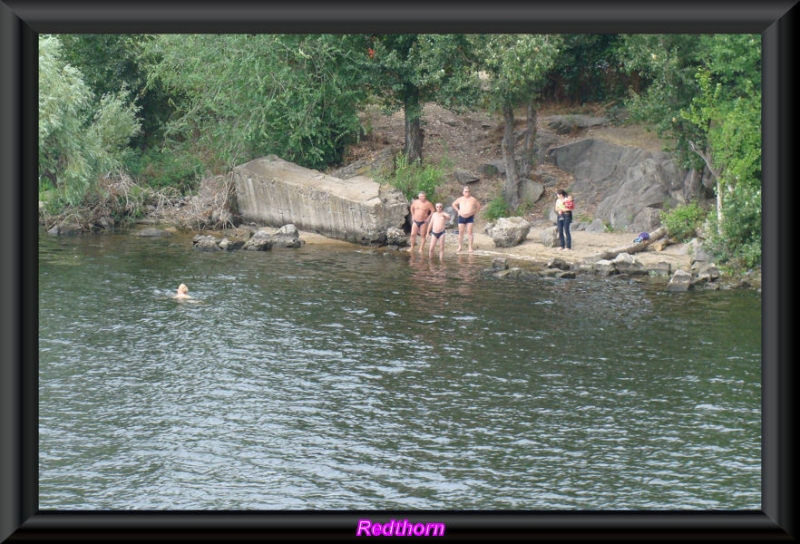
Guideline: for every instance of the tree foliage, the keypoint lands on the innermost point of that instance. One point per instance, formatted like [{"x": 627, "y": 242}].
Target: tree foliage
[
  {"x": 728, "y": 107},
  {"x": 704, "y": 91},
  {"x": 245, "y": 96},
  {"x": 112, "y": 62},
  {"x": 588, "y": 70},
  {"x": 81, "y": 137}
]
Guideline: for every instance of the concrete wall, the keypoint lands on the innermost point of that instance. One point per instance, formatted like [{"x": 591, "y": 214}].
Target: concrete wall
[{"x": 274, "y": 192}]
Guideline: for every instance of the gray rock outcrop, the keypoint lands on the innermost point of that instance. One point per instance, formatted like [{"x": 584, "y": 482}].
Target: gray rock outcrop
[
  {"x": 274, "y": 192},
  {"x": 396, "y": 237},
  {"x": 628, "y": 185},
  {"x": 567, "y": 124},
  {"x": 249, "y": 239}
]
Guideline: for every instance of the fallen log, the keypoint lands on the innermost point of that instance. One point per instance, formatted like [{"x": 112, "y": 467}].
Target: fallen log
[
  {"x": 661, "y": 245},
  {"x": 630, "y": 249}
]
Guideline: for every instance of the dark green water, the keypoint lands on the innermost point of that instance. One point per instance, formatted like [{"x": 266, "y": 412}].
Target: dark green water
[{"x": 328, "y": 379}]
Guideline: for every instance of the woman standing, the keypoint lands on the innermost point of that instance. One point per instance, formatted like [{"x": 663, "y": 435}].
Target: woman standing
[{"x": 564, "y": 206}]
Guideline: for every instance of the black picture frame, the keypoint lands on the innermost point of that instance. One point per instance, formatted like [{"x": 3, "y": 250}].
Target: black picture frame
[{"x": 20, "y": 23}]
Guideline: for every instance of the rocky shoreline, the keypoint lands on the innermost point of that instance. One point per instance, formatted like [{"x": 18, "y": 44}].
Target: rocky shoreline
[{"x": 676, "y": 266}]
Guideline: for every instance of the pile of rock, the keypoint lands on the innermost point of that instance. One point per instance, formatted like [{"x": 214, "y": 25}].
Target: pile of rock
[{"x": 249, "y": 239}]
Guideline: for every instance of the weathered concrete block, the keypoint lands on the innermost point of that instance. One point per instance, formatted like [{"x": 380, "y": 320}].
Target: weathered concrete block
[{"x": 275, "y": 192}]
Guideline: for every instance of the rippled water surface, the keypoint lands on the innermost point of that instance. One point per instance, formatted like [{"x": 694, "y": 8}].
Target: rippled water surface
[{"x": 336, "y": 378}]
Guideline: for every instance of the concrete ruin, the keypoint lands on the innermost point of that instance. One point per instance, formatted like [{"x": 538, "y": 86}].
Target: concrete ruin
[{"x": 274, "y": 192}]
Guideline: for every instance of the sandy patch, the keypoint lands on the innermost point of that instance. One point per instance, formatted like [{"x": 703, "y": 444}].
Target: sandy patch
[{"x": 585, "y": 244}]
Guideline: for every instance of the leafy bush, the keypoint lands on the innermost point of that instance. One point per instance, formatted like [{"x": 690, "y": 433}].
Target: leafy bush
[
  {"x": 683, "y": 221},
  {"x": 497, "y": 208},
  {"x": 412, "y": 178},
  {"x": 159, "y": 169},
  {"x": 738, "y": 240}
]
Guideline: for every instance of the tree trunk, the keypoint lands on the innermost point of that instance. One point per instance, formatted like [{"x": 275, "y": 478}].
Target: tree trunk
[
  {"x": 707, "y": 159},
  {"x": 656, "y": 235},
  {"x": 413, "y": 129},
  {"x": 511, "y": 189},
  {"x": 528, "y": 152}
]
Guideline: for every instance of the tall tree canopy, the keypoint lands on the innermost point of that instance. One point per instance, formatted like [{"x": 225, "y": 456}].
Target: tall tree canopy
[
  {"x": 112, "y": 62},
  {"x": 246, "y": 95}
]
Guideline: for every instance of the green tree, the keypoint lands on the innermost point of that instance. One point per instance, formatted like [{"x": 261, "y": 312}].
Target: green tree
[
  {"x": 80, "y": 137},
  {"x": 704, "y": 92},
  {"x": 665, "y": 65},
  {"x": 245, "y": 96},
  {"x": 112, "y": 62},
  {"x": 407, "y": 70},
  {"x": 517, "y": 68},
  {"x": 728, "y": 109},
  {"x": 588, "y": 70}
]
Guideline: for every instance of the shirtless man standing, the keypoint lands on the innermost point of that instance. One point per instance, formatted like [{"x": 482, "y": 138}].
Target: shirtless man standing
[
  {"x": 438, "y": 221},
  {"x": 421, "y": 210},
  {"x": 467, "y": 207}
]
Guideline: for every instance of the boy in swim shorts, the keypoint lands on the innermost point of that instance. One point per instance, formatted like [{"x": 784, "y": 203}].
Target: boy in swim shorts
[{"x": 438, "y": 222}]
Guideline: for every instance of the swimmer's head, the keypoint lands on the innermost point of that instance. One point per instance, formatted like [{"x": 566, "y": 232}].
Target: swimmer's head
[{"x": 182, "y": 289}]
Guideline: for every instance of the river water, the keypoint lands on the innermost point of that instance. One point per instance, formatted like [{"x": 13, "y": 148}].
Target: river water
[{"x": 339, "y": 378}]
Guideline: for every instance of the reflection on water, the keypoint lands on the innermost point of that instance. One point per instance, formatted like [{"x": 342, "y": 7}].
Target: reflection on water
[{"x": 354, "y": 379}]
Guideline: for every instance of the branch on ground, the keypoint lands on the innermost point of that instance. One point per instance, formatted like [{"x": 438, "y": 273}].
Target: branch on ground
[{"x": 631, "y": 248}]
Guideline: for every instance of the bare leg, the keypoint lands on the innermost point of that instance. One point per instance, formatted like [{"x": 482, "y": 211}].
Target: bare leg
[
  {"x": 469, "y": 235},
  {"x": 423, "y": 232},
  {"x": 460, "y": 236},
  {"x": 414, "y": 230},
  {"x": 441, "y": 247}
]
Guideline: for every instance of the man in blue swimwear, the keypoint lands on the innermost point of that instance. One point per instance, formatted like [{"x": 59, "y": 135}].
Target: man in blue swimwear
[
  {"x": 467, "y": 207},
  {"x": 438, "y": 221},
  {"x": 421, "y": 210}
]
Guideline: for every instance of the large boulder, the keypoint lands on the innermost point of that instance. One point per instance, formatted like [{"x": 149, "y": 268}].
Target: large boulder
[
  {"x": 275, "y": 192},
  {"x": 508, "y": 231},
  {"x": 681, "y": 281},
  {"x": 549, "y": 237}
]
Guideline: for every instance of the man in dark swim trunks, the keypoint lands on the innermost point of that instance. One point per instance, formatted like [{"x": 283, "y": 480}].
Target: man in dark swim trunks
[
  {"x": 421, "y": 210},
  {"x": 438, "y": 221},
  {"x": 467, "y": 207}
]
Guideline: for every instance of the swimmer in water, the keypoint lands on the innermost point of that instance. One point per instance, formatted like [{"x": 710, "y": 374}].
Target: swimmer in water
[{"x": 183, "y": 292}]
